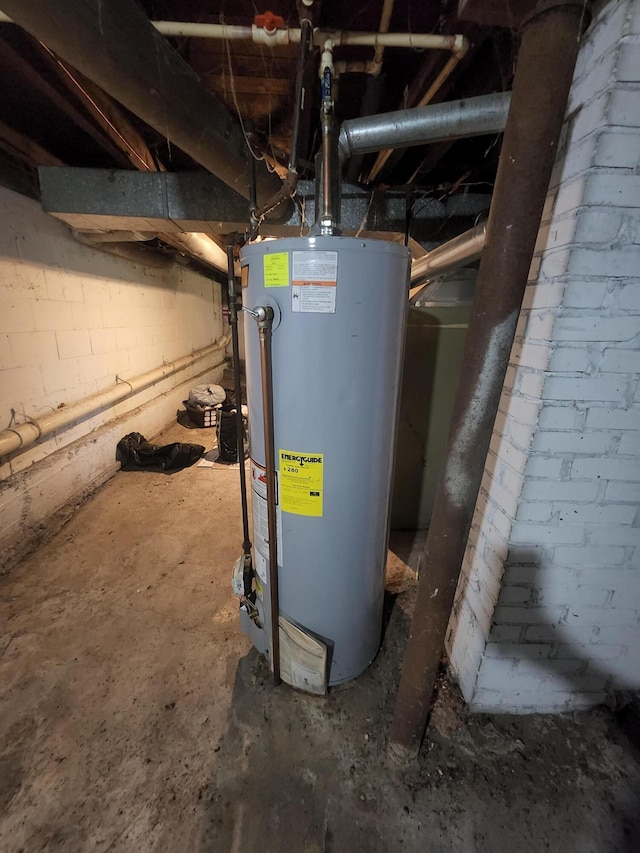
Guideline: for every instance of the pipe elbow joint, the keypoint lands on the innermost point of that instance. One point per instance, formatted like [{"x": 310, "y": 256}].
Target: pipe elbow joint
[{"x": 461, "y": 45}]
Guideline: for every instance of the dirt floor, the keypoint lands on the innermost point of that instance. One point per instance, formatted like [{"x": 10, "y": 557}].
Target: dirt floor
[{"x": 135, "y": 717}]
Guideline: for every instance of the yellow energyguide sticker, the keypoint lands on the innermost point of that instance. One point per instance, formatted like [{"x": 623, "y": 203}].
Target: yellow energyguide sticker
[
  {"x": 276, "y": 270},
  {"x": 300, "y": 482}
]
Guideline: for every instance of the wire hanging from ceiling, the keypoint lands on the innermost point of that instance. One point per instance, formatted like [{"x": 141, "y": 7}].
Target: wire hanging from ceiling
[{"x": 237, "y": 106}]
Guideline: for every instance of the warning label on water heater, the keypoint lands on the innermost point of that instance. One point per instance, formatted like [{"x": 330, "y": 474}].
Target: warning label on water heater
[
  {"x": 259, "y": 479},
  {"x": 301, "y": 476},
  {"x": 314, "y": 282},
  {"x": 261, "y": 528}
]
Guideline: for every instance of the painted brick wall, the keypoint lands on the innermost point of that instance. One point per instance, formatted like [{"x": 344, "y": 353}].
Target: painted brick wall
[
  {"x": 548, "y": 608},
  {"x": 71, "y": 320}
]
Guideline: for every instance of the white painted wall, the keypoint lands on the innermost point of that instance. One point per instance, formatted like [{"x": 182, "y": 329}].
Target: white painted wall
[
  {"x": 548, "y": 608},
  {"x": 72, "y": 319}
]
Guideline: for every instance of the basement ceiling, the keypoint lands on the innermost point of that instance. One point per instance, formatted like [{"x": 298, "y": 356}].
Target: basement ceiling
[{"x": 51, "y": 115}]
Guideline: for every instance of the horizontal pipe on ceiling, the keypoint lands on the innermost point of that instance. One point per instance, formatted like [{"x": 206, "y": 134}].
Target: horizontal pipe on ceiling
[
  {"x": 291, "y": 35},
  {"x": 21, "y": 436},
  {"x": 287, "y": 35},
  {"x": 199, "y": 246},
  {"x": 116, "y": 46},
  {"x": 433, "y": 123}
]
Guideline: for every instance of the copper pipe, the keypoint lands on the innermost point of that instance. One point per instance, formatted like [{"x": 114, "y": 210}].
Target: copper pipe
[{"x": 265, "y": 323}]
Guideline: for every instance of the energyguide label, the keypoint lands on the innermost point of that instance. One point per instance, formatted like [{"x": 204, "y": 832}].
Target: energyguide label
[{"x": 301, "y": 477}]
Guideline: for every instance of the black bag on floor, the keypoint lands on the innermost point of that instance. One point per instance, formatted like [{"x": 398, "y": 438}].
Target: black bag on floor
[
  {"x": 227, "y": 433},
  {"x": 134, "y": 451}
]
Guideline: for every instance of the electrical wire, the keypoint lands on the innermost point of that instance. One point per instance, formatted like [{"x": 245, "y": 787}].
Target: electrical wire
[
  {"x": 64, "y": 68},
  {"x": 366, "y": 215},
  {"x": 237, "y": 106}
]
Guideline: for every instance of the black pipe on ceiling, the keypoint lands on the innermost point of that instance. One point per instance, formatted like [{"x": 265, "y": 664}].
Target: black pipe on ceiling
[{"x": 115, "y": 45}]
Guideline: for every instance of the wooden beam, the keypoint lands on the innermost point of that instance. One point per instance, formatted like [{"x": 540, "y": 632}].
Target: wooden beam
[
  {"x": 106, "y": 113},
  {"x": 491, "y": 76},
  {"x": 244, "y": 66},
  {"x": 65, "y": 106},
  {"x": 495, "y": 13},
  {"x": 249, "y": 85},
  {"x": 256, "y": 107},
  {"x": 116, "y": 46},
  {"x": 25, "y": 149}
]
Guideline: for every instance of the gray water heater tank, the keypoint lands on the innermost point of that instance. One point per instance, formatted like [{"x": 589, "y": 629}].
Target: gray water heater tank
[{"x": 340, "y": 308}]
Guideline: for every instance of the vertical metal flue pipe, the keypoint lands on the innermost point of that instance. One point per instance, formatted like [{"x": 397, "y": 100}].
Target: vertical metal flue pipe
[{"x": 546, "y": 62}]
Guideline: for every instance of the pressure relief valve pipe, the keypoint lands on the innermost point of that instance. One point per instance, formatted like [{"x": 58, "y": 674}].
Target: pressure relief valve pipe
[
  {"x": 247, "y": 573},
  {"x": 263, "y": 316}
]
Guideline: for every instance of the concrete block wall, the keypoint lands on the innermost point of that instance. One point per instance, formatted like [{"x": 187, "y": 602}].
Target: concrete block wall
[
  {"x": 547, "y": 616},
  {"x": 72, "y": 319}
]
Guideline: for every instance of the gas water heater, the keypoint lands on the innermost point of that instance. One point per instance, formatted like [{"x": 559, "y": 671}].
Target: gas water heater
[{"x": 339, "y": 308}]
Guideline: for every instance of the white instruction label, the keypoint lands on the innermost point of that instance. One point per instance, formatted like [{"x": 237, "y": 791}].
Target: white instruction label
[
  {"x": 314, "y": 282},
  {"x": 304, "y": 678},
  {"x": 260, "y": 565},
  {"x": 261, "y": 527}
]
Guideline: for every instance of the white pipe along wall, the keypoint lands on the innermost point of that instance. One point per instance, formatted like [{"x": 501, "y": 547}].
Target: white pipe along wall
[
  {"x": 22, "y": 435},
  {"x": 79, "y": 329}
]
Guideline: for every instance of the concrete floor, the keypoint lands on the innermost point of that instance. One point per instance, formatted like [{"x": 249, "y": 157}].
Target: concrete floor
[{"x": 135, "y": 717}]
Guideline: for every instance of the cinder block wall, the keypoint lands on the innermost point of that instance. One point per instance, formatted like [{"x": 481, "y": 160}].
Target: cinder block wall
[
  {"x": 547, "y": 612},
  {"x": 72, "y": 319}
]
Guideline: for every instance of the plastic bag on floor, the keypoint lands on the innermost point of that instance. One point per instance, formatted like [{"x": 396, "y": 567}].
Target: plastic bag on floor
[
  {"x": 134, "y": 451},
  {"x": 207, "y": 395}
]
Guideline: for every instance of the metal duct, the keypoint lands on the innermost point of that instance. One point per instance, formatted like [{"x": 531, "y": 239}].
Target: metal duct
[
  {"x": 450, "y": 256},
  {"x": 115, "y": 45},
  {"x": 434, "y": 123}
]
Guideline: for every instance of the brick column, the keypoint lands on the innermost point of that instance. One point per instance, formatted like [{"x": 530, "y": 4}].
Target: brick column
[{"x": 547, "y": 612}]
